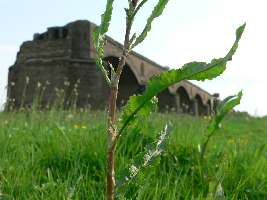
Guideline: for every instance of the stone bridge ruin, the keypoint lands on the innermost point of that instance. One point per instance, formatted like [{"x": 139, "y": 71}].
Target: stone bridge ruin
[{"x": 62, "y": 59}]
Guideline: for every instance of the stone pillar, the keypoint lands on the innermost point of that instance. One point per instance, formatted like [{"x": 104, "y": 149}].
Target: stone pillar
[
  {"x": 208, "y": 109},
  {"x": 177, "y": 101},
  {"x": 212, "y": 108},
  {"x": 195, "y": 105}
]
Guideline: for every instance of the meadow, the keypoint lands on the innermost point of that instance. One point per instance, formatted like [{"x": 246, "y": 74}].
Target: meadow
[{"x": 61, "y": 155}]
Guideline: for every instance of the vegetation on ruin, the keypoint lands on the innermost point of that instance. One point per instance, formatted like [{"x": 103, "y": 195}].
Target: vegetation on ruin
[
  {"x": 141, "y": 106},
  {"x": 62, "y": 155}
]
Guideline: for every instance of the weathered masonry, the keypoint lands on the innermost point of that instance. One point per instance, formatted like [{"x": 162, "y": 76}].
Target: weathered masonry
[{"x": 60, "y": 64}]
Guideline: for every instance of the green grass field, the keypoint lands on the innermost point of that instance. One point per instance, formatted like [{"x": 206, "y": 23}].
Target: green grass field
[{"x": 61, "y": 155}]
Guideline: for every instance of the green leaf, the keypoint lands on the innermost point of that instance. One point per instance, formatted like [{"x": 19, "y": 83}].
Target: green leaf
[
  {"x": 102, "y": 29},
  {"x": 226, "y": 105},
  {"x": 210, "y": 72},
  {"x": 145, "y": 159},
  {"x": 219, "y": 106},
  {"x": 190, "y": 71},
  {"x": 140, "y": 5},
  {"x": 99, "y": 37},
  {"x": 149, "y": 107},
  {"x": 157, "y": 11},
  {"x": 223, "y": 108}
]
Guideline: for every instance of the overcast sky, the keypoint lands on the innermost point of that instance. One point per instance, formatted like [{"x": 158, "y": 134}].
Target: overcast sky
[{"x": 189, "y": 30}]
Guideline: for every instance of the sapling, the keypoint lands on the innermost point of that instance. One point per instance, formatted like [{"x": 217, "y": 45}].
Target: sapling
[
  {"x": 222, "y": 109},
  {"x": 142, "y": 104}
]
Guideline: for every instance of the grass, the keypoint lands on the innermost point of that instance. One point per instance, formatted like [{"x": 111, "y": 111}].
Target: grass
[{"x": 61, "y": 155}]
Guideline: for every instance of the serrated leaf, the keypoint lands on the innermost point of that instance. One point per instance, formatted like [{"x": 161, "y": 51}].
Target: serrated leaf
[
  {"x": 140, "y": 5},
  {"x": 99, "y": 37},
  {"x": 147, "y": 108},
  {"x": 144, "y": 159},
  {"x": 219, "y": 106},
  {"x": 190, "y": 71},
  {"x": 223, "y": 108},
  {"x": 211, "y": 71},
  {"x": 227, "y": 105},
  {"x": 102, "y": 29},
  {"x": 157, "y": 11}
]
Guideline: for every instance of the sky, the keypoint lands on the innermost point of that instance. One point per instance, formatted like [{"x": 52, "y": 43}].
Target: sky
[{"x": 188, "y": 30}]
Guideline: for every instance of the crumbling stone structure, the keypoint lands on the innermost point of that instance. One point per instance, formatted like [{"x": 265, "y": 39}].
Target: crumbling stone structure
[{"x": 59, "y": 66}]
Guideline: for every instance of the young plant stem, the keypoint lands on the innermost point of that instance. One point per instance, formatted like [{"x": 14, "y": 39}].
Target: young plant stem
[
  {"x": 111, "y": 143},
  {"x": 204, "y": 147},
  {"x": 112, "y": 132}
]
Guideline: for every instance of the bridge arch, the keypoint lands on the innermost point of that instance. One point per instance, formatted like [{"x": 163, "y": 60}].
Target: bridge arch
[
  {"x": 183, "y": 101},
  {"x": 209, "y": 107},
  {"x": 167, "y": 101},
  {"x": 201, "y": 108},
  {"x": 112, "y": 50},
  {"x": 128, "y": 84}
]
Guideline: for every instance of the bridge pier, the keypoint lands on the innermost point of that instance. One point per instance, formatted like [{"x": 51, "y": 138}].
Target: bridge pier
[
  {"x": 195, "y": 108},
  {"x": 208, "y": 111},
  {"x": 177, "y": 101}
]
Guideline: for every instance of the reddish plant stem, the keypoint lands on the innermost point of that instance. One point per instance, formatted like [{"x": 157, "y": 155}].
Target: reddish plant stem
[
  {"x": 111, "y": 144},
  {"x": 112, "y": 134}
]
